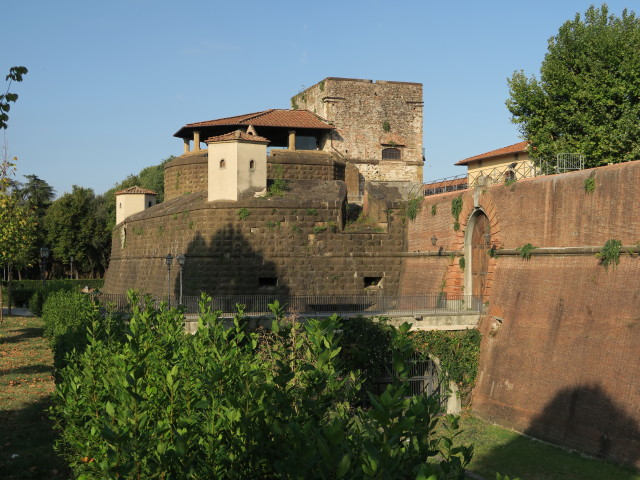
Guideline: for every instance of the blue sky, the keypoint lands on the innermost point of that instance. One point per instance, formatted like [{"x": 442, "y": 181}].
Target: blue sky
[{"x": 110, "y": 82}]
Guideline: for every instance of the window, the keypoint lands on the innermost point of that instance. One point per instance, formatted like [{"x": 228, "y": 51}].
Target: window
[
  {"x": 252, "y": 164},
  {"x": 150, "y": 204},
  {"x": 375, "y": 282},
  {"x": 266, "y": 282},
  {"x": 391, "y": 153},
  {"x": 222, "y": 164}
]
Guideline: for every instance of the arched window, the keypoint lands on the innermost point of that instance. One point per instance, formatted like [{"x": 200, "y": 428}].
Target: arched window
[
  {"x": 391, "y": 153},
  {"x": 252, "y": 164},
  {"x": 223, "y": 163}
]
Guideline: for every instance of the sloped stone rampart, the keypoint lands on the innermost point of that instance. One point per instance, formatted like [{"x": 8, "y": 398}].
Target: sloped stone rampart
[{"x": 298, "y": 239}]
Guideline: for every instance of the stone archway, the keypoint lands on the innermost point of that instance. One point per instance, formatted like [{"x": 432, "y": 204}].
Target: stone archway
[{"x": 476, "y": 252}]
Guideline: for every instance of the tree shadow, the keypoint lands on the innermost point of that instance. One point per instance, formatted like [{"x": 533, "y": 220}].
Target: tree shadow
[
  {"x": 26, "y": 444},
  {"x": 27, "y": 370},
  {"x": 227, "y": 264},
  {"x": 583, "y": 419},
  {"x": 25, "y": 334}
]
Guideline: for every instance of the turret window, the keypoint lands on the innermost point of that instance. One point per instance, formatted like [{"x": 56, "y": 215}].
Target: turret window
[
  {"x": 252, "y": 164},
  {"x": 223, "y": 164},
  {"x": 391, "y": 153}
]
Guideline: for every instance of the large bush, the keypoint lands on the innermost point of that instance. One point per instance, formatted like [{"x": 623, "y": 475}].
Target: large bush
[
  {"x": 67, "y": 315},
  {"x": 236, "y": 403}
]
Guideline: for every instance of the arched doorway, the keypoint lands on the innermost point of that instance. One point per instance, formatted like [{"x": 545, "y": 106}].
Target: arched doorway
[{"x": 478, "y": 241}]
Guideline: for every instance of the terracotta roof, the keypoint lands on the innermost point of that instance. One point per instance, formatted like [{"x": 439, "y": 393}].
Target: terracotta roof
[
  {"x": 237, "y": 135},
  {"x": 446, "y": 183},
  {"x": 515, "y": 148},
  {"x": 268, "y": 118},
  {"x": 134, "y": 190}
]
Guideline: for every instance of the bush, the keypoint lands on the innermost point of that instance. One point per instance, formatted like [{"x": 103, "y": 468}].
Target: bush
[
  {"x": 237, "y": 403},
  {"x": 66, "y": 316}
]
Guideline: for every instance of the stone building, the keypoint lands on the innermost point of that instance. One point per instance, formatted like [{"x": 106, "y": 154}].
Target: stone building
[{"x": 265, "y": 207}]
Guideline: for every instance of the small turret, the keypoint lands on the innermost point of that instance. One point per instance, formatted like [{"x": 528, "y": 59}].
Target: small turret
[{"x": 133, "y": 200}]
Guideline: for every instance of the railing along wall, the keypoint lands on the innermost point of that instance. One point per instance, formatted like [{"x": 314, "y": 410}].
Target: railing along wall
[{"x": 309, "y": 305}]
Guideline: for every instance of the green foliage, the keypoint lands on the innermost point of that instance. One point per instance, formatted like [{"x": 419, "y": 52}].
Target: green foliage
[
  {"x": 66, "y": 315},
  {"x": 386, "y": 127},
  {"x": 76, "y": 228},
  {"x": 413, "y": 206},
  {"x": 587, "y": 98},
  {"x": 273, "y": 225},
  {"x": 590, "y": 184},
  {"x": 510, "y": 181},
  {"x": 434, "y": 210},
  {"x": 525, "y": 251},
  {"x": 294, "y": 104},
  {"x": 319, "y": 229},
  {"x": 238, "y": 403},
  {"x": 243, "y": 213},
  {"x": 321, "y": 86},
  {"x": 16, "y": 74},
  {"x": 462, "y": 263},
  {"x": 493, "y": 252},
  {"x": 23, "y": 290},
  {"x": 296, "y": 229},
  {"x": 456, "y": 209},
  {"x": 610, "y": 253},
  {"x": 279, "y": 185},
  {"x": 312, "y": 212}
]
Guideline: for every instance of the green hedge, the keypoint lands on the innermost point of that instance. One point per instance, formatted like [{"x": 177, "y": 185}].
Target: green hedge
[
  {"x": 23, "y": 291},
  {"x": 236, "y": 403}
]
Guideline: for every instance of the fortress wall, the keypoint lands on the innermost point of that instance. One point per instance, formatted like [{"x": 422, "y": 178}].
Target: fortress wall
[
  {"x": 561, "y": 336},
  {"x": 360, "y": 109},
  {"x": 299, "y": 242},
  {"x": 186, "y": 174},
  {"x": 304, "y": 165}
]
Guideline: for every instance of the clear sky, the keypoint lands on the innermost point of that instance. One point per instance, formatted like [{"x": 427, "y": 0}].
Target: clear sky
[{"x": 110, "y": 82}]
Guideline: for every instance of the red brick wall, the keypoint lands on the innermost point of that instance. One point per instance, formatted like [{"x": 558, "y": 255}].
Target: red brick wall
[{"x": 561, "y": 338}]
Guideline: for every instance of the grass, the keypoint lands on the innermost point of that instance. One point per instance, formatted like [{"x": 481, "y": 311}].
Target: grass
[
  {"x": 26, "y": 384},
  {"x": 509, "y": 453}
]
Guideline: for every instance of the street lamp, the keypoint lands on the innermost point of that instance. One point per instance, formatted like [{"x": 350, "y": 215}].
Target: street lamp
[
  {"x": 169, "y": 259},
  {"x": 71, "y": 262},
  {"x": 44, "y": 258},
  {"x": 487, "y": 238},
  {"x": 181, "y": 259}
]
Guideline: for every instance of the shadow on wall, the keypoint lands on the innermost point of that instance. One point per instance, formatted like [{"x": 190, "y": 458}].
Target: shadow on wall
[
  {"x": 227, "y": 264},
  {"x": 584, "y": 419}
]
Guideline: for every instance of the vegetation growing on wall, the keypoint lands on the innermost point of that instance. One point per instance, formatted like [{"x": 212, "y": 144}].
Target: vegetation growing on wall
[
  {"x": 590, "y": 184},
  {"x": 456, "y": 209},
  {"x": 525, "y": 251},
  {"x": 278, "y": 186},
  {"x": 610, "y": 253},
  {"x": 434, "y": 210},
  {"x": 243, "y": 213},
  {"x": 386, "y": 126}
]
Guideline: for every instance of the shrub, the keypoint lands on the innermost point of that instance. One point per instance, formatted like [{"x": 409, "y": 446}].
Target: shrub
[
  {"x": 526, "y": 251},
  {"x": 238, "y": 403},
  {"x": 610, "y": 253},
  {"x": 65, "y": 316}
]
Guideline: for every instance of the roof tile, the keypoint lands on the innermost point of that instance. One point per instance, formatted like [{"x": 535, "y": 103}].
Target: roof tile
[{"x": 515, "y": 148}]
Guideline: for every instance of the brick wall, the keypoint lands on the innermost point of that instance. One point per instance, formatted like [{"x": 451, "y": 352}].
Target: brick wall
[
  {"x": 562, "y": 334},
  {"x": 363, "y": 111}
]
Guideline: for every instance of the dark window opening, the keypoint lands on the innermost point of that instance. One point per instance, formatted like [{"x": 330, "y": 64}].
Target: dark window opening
[
  {"x": 373, "y": 282},
  {"x": 391, "y": 153},
  {"x": 223, "y": 164},
  {"x": 266, "y": 282},
  {"x": 306, "y": 142},
  {"x": 150, "y": 204},
  {"x": 252, "y": 165}
]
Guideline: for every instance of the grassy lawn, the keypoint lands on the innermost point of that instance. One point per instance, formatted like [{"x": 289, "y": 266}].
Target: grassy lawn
[
  {"x": 26, "y": 383},
  {"x": 500, "y": 450}
]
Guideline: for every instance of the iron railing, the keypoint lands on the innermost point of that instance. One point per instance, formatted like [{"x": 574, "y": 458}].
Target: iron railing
[
  {"x": 444, "y": 185},
  {"x": 309, "y": 305}
]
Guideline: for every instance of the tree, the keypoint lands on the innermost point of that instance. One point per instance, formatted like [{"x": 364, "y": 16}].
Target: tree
[
  {"x": 588, "y": 97},
  {"x": 36, "y": 193},
  {"x": 17, "y": 228},
  {"x": 72, "y": 225},
  {"x": 15, "y": 75}
]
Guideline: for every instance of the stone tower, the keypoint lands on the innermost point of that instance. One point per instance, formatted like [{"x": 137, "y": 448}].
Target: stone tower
[{"x": 133, "y": 200}]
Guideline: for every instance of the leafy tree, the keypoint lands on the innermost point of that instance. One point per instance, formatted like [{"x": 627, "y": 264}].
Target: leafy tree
[
  {"x": 36, "y": 193},
  {"x": 15, "y": 75},
  {"x": 588, "y": 97},
  {"x": 72, "y": 226},
  {"x": 17, "y": 228}
]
